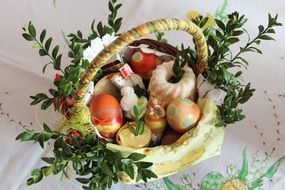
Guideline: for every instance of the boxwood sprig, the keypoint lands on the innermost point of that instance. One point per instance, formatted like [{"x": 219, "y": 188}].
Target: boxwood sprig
[
  {"x": 137, "y": 128},
  {"x": 114, "y": 24},
  {"x": 88, "y": 156},
  {"x": 220, "y": 38},
  {"x": 69, "y": 76},
  {"x": 179, "y": 63},
  {"x": 30, "y": 34}
]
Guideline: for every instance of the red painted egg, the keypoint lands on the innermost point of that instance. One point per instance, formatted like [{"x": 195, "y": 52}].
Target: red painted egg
[
  {"x": 106, "y": 114},
  {"x": 143, "y": 63}
]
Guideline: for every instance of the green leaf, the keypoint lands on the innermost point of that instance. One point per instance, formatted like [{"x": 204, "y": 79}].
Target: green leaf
[
  {"x": 43, "y": 35},
  {"x": 79, "y": 34},
  {"x": 25, "y": 136},
  {"x": 266, "y": 37},
  {"x": 46, "y": 104},
  {"x": 55, "y": 51},
  {"x": 131, "y": 128},
  {"x": 30, "y": 182},
  {"x": 57, "y": 63},
  {"x": 232, "y": 40},
  {"x": 151, "y": 174},
  {"x": 238, "y": 32},
  {"x": 136, "y": 156},
  {"x": 53, "y": 92},
  {"x": 203, "y": 21},
  {"x": 238, "y": 73},
  {"x": 48, "y": 160},
  {"x": 244, "y": 169},
  {"x": 83, "y": 180},
  {"x": 271, "y": 30},
  {"x": 66, "y": 149},
  {"x": 42, "y": 52},
  {"x": 38, "y": 98},
  {"x": 27, "y": 37},
  {"x": 255, "y": 50},
  {"x": 110, "y": 6},
  {"x": 67, "y": 88},
  {"x": 106, "y": 170},
  {"x": 118, "y": 24},
  {"x": 37, "y": 175},
  {"x": 47, "y": 44},
  {"x": 32, "y": 30},
  {"x": 118, "y": 6},
  {"x": 139, "y": 176},
  {"x": 129, "y": 169},
  {"x": 85, "y": 64},
  {"x": 58, "y": 143},
  {"x": 144, "y": 164},
  {"x": 46, "y": 128},
  {"x": 260, "y": 28},
  {"x": 140, "y": 128},
  {"x": 47, "y": 170},
  {"x": 220, "y": 24},
  {"x": 100, "y": 29}
]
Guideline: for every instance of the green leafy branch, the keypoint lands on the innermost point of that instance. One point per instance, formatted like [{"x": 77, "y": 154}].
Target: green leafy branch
[
  {"x": 114, "y": 22},
  {"x": 137, "y": 128},
  {"x": 181, "y": 60},
  {"x": 38, "y": 137},
  {"x": 70, "y": 75},
  {"x": 88, "y": 155},
  {"x": 220, "y": 38},
  {"x": 44, "y": 47},
  {"x": 263, "y": 34},
  {"x": 100, "y": 30}
]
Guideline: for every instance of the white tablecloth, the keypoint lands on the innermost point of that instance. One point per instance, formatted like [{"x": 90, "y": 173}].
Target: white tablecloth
[{"x": 261, "y": 133}]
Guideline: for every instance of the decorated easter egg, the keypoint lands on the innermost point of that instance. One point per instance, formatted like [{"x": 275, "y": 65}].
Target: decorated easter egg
[
  {"x": 143, "y": 63},
  {"x": 126, "y": 138},
  {"x": 182, "y": 114},
  {"x": 106, "y": 114},
  {"x": 155, "y": 123}
]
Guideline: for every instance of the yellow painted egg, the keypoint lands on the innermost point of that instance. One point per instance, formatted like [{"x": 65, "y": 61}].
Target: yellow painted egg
[
  {"x": 156, "y": 124},
  {"x": 182, "y": 114},
  {"x": 106, "y": 114},
  {"x": 126, "y": 138}
]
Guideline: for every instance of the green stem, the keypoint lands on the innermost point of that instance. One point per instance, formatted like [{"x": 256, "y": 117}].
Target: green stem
[
  {"x": 53, "y": 60},
  {"x": 250, "y": 43}
]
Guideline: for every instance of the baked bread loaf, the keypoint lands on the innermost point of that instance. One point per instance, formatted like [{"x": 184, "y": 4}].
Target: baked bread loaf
[{"x": 165, "y": 91}]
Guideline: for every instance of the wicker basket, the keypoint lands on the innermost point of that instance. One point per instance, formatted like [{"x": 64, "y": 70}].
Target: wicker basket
[{"x": 194, "y": 146}]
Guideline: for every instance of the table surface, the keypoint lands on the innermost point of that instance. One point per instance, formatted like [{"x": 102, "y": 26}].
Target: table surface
[{"x": 261, "y": 134}]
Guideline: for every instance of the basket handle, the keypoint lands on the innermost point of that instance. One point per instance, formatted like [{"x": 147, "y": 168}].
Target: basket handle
[{"x": 130, "y": 36}]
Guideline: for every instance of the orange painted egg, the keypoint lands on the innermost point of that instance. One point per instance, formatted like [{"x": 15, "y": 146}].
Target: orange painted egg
[
  {"x": 182, "y": 114},
  {"x": 106, "y": 114}
]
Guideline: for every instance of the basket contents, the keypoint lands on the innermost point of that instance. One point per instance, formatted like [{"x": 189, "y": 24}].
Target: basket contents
[{"x": 152, "y": 110}]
